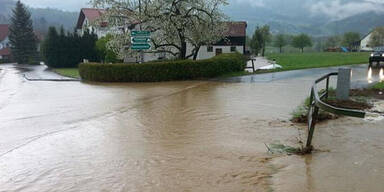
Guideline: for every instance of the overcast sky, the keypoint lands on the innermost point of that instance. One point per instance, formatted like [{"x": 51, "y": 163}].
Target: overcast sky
[
  {"x": 68, "y": 5},
  {"x": 333, "y": 8}
]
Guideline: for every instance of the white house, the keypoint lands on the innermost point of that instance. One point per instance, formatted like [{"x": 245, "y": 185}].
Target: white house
[
  {"x": 5, "y": 52},
  {"x": 86, "y": 21},
  {"x": 364, "y": 43},
  {"x": 235, "y": 36}
]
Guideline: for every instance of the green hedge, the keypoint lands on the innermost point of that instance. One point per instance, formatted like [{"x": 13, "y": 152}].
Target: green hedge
[{"x": 163, "y": 71}]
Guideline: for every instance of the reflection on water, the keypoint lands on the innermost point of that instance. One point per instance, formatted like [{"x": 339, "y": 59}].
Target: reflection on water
[
  {"x": 370, "y": 75},
  {"x": 375, "y": 75}
]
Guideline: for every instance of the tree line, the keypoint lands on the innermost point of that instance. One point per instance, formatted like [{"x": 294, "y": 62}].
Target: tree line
[
  {"x": 65, "y": 50},
  {"x": 262, "y": 37}
]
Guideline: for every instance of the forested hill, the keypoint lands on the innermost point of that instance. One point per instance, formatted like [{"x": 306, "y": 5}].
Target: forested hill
[
  {"x": 315, "y": 17},
  {"x": 42, "y": 18}
]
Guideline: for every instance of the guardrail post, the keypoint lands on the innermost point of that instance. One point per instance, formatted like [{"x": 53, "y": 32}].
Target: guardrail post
[
  {"x": 253, "y": 65},
  {"x": 327, "y": 88},
  {"x": 312, "y": 124},
  {"x": 343, "y": 84}
]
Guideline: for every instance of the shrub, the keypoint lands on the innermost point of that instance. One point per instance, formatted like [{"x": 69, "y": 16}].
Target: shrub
[{"x": 163, "y": 71}]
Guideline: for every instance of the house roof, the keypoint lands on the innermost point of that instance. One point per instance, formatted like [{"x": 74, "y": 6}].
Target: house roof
[
  {"x": 5, "y": 51},
  {"x": 4, "y": 31},
  {"x": 366, "y": 35},
  {"x": 89, "y": 13},
  {"x": 236, "y": 29}
]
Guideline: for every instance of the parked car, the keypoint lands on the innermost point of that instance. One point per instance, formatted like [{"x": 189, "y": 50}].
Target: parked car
[{"x": 375, "y": 58}]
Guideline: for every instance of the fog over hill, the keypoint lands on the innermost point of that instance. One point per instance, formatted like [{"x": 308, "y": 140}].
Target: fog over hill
[
  {"x": 315, "y": 17},
  {"x": 42, "y": 18}
]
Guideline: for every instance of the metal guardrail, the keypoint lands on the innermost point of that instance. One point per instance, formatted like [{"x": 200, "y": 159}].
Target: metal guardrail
[{"x": 317, "y": 103}]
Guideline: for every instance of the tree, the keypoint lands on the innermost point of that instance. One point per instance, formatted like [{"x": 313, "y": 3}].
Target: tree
[
  {"x": 104, "y": 53},
  {"x": 255, "y": 43},
  {"x": 377, "y": 37},
  {"x": 259, "y": 39},
  {"x": 301, "y": 41},
  {"x": 350, "y": 38},
  {"x": 333, "y": 41},
  {"x": 65, "y": 50},
  {"x": 280, "y": 41},
  {"x": 49, "y": 48},
  {"x": 173, "y": 23},
  {"x": 22, "y": 38}
]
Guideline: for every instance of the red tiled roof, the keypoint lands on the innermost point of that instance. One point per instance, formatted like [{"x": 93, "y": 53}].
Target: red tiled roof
[
  {"x": 89, "y": 13},
  {"x": 92, "y": 14},
  {"x": 236, "y": 29},
  {"x": 5, "y": 51},
  {"x": 4, "y": 31}
]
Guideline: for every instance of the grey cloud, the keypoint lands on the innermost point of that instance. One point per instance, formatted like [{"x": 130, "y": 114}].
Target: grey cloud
[{"x": 337, "y": 9}]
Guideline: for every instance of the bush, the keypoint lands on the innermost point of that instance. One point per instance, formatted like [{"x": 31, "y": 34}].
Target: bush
[{"x": 163, "y": 71}]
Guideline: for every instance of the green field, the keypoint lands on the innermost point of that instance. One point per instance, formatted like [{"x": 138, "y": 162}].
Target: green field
[
  {"x": 379, "y": 86},
  {"x": 292, "y": 61},
  {"x": 68, "y": 72}
]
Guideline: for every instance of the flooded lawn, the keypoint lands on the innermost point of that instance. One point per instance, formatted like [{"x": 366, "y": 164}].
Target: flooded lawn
[{"x": 177, "y": 136}]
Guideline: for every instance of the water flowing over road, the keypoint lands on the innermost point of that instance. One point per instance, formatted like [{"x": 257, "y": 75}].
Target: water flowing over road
[{"x": 177, "y": 136}]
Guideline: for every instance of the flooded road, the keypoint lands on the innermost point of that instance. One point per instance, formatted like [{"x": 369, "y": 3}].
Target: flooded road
[{"x": 177, "y": 136}]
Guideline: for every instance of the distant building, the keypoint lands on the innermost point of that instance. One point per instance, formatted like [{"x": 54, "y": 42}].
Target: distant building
[
  {"x": 234, "y": 41},
  {"x": 5, "y": 51},
  {"x": 364, "y": 43},
  {"x": 86, "y": 19}
]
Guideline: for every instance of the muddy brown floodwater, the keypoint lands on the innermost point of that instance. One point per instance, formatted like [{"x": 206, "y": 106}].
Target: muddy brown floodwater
[{"x": 177, "y": 136}]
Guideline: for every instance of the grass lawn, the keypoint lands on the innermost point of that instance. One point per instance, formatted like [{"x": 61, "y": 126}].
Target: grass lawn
[
  {"x": 293, "y": 61},
  {"x": 379, "y": 86},
  {"x": 68, "y": 72}
]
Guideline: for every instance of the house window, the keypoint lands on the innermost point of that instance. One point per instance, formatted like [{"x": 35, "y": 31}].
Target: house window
[
  {"x": 209, "y": 49},
  {"x": 219, "y": 51},
  {"x": 233, "y": 49}
]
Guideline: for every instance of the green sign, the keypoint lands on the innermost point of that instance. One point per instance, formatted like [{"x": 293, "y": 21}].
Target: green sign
[
  {"x": 140, "y": 40},
  {"x": 140, "y": 33},
  {"x": 140, "y": 46}
]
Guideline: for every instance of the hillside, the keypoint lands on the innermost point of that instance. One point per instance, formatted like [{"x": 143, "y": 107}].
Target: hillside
[
  {"x": 42, "y": 18},
  {"x": 362, "y": 23}
]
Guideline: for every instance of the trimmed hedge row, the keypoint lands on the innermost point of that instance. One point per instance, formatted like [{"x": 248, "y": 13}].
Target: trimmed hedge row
[{"x": 163, "y": 71}]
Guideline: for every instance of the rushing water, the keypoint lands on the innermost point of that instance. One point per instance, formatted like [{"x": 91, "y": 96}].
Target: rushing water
[{"x": 175, "y": 136}]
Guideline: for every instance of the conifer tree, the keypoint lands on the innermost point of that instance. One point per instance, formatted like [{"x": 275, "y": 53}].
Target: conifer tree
[
  {"x": 50, "y": 48},
  {"x": 22, "y": 38}
]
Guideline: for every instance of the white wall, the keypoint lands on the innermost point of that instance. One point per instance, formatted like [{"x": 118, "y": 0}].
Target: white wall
[
  {"x": 204, "y": 54},
  {"x": 3, "y": 44},
  {"x": 364, "y": 45},
  {"x": 100, "y": 32}
]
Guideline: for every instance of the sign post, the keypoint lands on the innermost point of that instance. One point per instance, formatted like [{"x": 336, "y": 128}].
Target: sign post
[{"x": 343, "y": 83}]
